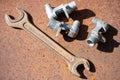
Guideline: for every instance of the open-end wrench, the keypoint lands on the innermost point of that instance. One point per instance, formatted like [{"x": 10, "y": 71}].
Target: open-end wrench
[{"x": 23, "y": 23}]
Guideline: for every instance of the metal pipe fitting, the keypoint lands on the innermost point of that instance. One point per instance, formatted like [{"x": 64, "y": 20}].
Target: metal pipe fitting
[
  {"x": 74, "y": 29},
  {"x": 55, "y": 25},
  {"x": 58, "y": 26},
  {"x": 53, "y": 14},
  {"x": 96, "y": 33},
  {"x": 49, "y": 11},
  {"x": 66, "y": 9}
]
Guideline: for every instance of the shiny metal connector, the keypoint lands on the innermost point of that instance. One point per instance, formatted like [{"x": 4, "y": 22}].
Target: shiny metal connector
[
  {"x": 66, "y": 9},
  {"x": 58, "y": 26},
  {"x": 96, "y": 33},
  {"x": 53, "y": 14}
]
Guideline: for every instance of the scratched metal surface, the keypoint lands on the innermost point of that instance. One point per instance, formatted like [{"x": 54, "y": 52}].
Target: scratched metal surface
[{"x": 22, "y": 57}]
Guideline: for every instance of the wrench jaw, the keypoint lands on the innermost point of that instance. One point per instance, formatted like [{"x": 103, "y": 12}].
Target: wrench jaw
[
  {"x": 17, "y": 23},
  {"x": 77, "y": 62}
]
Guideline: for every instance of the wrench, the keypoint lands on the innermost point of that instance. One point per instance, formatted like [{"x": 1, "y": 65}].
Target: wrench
[{"x": 23, "y": 23}]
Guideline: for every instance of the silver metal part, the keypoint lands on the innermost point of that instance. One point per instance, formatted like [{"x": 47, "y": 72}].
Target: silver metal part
[
  {"x": 58, "y": 26},
  {"x": 53, "y": 14},
  {"x": 55, "y": 25},
  {"x": 66, "y": 9},
  {"x": 74, "y": 30},
  {"x": 96, "y": 33},
  {"x": 49, "y": 11}
]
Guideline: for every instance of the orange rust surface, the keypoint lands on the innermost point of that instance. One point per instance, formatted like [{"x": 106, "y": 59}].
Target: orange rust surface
[{"x": 22, "y": 57}]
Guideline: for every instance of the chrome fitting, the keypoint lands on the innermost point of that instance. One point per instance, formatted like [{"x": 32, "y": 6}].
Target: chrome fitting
[
  {"x": 66, "y": 9},
  {"x": 96, "y": 33},
  {"x": 74, "y": 29},
  {"x": 53, "y": 14},
  {"x": 58, "y": 26}
]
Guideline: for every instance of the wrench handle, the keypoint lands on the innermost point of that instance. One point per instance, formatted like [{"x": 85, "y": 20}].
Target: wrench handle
[{"x": 41, "y": 36}]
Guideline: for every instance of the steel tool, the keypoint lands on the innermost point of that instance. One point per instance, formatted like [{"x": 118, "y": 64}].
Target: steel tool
[{"x": 23, "y": 23}]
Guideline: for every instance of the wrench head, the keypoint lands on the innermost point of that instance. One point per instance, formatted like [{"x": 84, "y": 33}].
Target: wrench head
[
  {"x": 77, "y": 62},
  {"x": 17, "y": 23}
]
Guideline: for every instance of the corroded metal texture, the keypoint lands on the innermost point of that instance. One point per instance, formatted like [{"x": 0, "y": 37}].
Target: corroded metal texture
[{"x": 24, "y": 58}]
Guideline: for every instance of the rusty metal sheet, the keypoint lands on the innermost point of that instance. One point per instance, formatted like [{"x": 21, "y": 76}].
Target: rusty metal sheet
[{"x": 24, "y": 58}]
